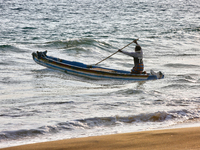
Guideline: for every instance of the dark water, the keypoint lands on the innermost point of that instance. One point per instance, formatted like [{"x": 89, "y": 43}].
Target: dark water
[{"x": 40, "y": 104}]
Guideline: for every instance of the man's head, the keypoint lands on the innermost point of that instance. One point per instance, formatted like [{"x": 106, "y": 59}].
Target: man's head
[{"x": 137, "y": 48}]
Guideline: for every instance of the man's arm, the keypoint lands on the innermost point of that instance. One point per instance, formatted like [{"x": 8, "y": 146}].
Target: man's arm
[{"x": 127, "y": 53}]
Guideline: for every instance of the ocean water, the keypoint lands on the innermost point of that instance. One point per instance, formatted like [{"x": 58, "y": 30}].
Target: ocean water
[{"x": 39, "y": 104}]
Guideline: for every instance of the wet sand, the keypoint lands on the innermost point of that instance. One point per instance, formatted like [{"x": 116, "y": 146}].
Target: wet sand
[{"x": 169, "y": 139}]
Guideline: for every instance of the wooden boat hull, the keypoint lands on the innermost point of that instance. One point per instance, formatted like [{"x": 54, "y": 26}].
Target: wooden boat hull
[{"x": 93, "y": 72}]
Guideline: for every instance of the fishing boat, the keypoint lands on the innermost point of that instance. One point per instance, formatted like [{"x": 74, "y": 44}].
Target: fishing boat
[{"x": 91, "y": 71}]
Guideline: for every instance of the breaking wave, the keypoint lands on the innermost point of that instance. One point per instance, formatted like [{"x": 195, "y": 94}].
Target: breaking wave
[
  {"x": 75, "y": 43},
  {"x": 90, "y": 123},
  {"x": 19, "y": 134},
  {"x": 10, "y": 48}
]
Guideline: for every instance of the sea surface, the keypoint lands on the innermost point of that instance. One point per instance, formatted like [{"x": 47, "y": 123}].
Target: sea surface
[{"x": 38, "y": 104}]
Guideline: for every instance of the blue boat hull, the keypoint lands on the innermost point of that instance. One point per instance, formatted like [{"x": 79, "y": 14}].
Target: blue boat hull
[{"x": 93, "y": 72}]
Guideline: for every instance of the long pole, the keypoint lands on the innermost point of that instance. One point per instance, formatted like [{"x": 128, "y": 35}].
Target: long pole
[{"x": 115, "y": 52}]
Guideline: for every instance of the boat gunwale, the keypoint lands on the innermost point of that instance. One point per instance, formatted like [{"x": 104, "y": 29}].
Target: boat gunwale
[{"x": 88, "y": 70}]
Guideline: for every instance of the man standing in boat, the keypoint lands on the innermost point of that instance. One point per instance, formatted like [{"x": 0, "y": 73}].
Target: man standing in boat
[{"x": 137, "y": 57}]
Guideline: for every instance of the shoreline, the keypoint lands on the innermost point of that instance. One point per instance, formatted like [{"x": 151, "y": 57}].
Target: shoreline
[{"x": 166, "y": 139}]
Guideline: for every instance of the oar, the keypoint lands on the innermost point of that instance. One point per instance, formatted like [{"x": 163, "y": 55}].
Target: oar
[{"x": 116, "y": 52}]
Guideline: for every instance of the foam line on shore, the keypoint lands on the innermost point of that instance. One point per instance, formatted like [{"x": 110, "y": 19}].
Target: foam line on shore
[{"x": 176, "y": 139}]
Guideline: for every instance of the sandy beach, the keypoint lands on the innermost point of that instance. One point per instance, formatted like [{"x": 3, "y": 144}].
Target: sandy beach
[{"x": 169, "y": 139}]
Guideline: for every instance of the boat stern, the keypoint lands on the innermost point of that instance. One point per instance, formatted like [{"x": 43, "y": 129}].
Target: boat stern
[{"x": 158, "y": 75}]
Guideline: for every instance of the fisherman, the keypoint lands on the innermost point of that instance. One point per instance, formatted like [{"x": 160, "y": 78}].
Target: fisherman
[{"x": 137, "y": 56}]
